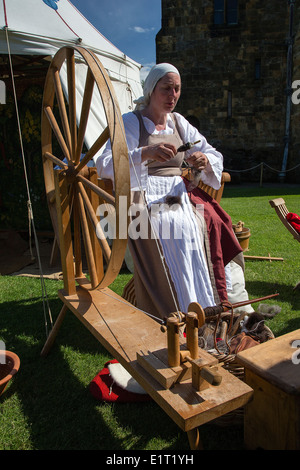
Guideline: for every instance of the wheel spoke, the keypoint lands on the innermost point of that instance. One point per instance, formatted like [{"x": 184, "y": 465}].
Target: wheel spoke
[
  {"x": 86, "y": 103},
  {"x": 102, "y": 139},
  {"x": 55, "y": 127},
  {"x": 87, "y": 243},
  {"x": 77, "y": 239},
  {"x": 94, "y": 198},
  {"x": 55, "y": 160},
  {"x": 62, "y": 108},
  {"x": 99, "y": 191},
  {"x": 93, "y": 218},
  {"x": 72, "y": 97},
  {"x": 64, "y": 227}
]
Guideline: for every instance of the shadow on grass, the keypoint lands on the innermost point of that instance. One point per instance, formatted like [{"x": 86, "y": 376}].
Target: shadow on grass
[
  {"x": 254, "y": 190},
  {"x": 287, "y": 296}
]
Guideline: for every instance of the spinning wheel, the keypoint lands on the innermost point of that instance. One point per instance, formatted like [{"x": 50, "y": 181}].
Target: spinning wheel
[{"x": 73, "y": 192}]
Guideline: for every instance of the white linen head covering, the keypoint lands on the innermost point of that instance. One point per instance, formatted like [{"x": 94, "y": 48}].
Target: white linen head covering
[{"x": 155, "y": 74}]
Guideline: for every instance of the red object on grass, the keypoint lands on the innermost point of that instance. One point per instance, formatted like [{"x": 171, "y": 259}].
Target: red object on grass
[
  {"x": 294, "y": 220},
  {"x": 103, "y": 388}
]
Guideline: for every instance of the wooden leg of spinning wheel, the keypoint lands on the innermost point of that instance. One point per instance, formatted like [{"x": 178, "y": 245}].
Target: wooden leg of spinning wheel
[
  {"x": 54, "y": 331},
  {"x": 194, "y": 439}
]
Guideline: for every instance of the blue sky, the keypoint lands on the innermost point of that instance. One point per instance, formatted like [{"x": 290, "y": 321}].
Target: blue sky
[{"x": 130, "y": 25}]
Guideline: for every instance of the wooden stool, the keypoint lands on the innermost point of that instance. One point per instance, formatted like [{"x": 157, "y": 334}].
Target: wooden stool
[{"x": 272, "y": 370}]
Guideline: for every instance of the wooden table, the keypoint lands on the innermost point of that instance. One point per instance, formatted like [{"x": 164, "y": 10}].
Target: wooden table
[
  {"x": 126, "y": 332},
  {"x": 272, "y": 418}
]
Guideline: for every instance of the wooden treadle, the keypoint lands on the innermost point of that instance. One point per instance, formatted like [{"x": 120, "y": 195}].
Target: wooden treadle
[{"x": 127, "y": 333}]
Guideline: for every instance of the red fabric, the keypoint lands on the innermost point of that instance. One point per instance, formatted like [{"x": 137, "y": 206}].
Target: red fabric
[
  {"x": 103, "y": 389},
  {"x": 294, "y": 220},
  {"x": 224, "y": 245}
]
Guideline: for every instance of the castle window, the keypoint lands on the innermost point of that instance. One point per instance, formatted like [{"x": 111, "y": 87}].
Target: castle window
[
  {"x": 229, "y": 104},
  {"x": 219, "y": 12},
  {"x": 257, "y": 69},
  {"x": 226, "y": 12}
]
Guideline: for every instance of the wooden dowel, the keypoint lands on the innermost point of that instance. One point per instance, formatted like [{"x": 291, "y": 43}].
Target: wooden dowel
[
  {"x": 51, "y": 338},
  {"x": 173, "y": 341},
  {"x": 103, "y": 194},
  {"x": 102, "y": 139},
  {"x": 263, "y": 258},
  {"x": 192, "y": 334},
  {"x": 62, "y": 108},
  {"x": 72, "y": 97},
  {"x": 55, "y": 160},
  {"x": 223, "y": 332},
  {"x": 64, "y": 227},
  {"x": 88, "y": 245},
  {"x": 77, "y": 240},
  {"x": 195, "y": 439},
  {"x": 240, "y": 304},
  {"x": 57, "y": 132},
  {"x": 94, "y": 199},
  {"x": 102, "y": 240},
  {"x": 86, "y": 103}
]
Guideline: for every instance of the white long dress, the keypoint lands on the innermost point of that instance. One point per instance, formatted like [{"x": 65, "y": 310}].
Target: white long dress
[{"x": 184, "y": 256}]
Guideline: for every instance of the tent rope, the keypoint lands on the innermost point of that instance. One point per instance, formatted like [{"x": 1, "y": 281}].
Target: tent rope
[{"x": 29, "y": 204}]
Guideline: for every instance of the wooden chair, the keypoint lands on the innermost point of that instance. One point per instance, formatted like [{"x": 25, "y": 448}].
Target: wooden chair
[
  {"x": 214, "y": 193},
  {"x": 282, "y": 211}
]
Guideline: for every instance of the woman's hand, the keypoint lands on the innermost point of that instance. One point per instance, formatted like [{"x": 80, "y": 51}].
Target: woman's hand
[
  {"x": 198, "y": 160},
  {"x": 159, "y": 152}
]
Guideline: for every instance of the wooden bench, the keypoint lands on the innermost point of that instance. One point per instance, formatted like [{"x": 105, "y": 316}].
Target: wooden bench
[{"x": 282, "y": 211}]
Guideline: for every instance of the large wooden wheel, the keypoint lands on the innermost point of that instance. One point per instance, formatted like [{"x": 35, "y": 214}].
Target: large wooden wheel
[{"x": 73, "y": 190}]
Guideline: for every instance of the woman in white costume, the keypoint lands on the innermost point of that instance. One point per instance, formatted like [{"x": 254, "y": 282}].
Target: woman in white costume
[{"x": 175, "y": 261}]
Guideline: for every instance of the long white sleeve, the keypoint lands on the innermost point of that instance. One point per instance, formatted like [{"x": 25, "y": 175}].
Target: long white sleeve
[{"x": 138, "y": 170}]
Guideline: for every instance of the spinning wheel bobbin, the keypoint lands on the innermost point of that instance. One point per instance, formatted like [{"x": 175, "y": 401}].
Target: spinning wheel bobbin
[{"x": 200, "y": 365}]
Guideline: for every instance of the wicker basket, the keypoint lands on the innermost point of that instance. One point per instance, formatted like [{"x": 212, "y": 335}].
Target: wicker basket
[{"x": 235, "y": 417}]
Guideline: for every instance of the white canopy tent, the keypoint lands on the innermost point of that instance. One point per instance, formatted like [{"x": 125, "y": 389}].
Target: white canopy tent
[{"x": 42, "y": 27}]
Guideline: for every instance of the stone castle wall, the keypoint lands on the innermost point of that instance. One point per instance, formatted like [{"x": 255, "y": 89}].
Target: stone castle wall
[{"x": 234, "y": 77}]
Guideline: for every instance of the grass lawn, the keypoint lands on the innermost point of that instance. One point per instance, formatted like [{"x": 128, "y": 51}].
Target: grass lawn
[{"x": 48, "y": 406}]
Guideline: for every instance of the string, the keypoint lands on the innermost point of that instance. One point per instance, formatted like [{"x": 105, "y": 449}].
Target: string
[
  {"x": 138, "y": 309},
  {"x": 29, "y": 204}
]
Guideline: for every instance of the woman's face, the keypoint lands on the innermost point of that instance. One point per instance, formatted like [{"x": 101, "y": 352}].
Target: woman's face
[{"x": 166, "y": 93}]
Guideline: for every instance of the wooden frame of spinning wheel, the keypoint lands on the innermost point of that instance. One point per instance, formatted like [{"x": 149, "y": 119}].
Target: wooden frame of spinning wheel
[{"x": 73, "y": 193}]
